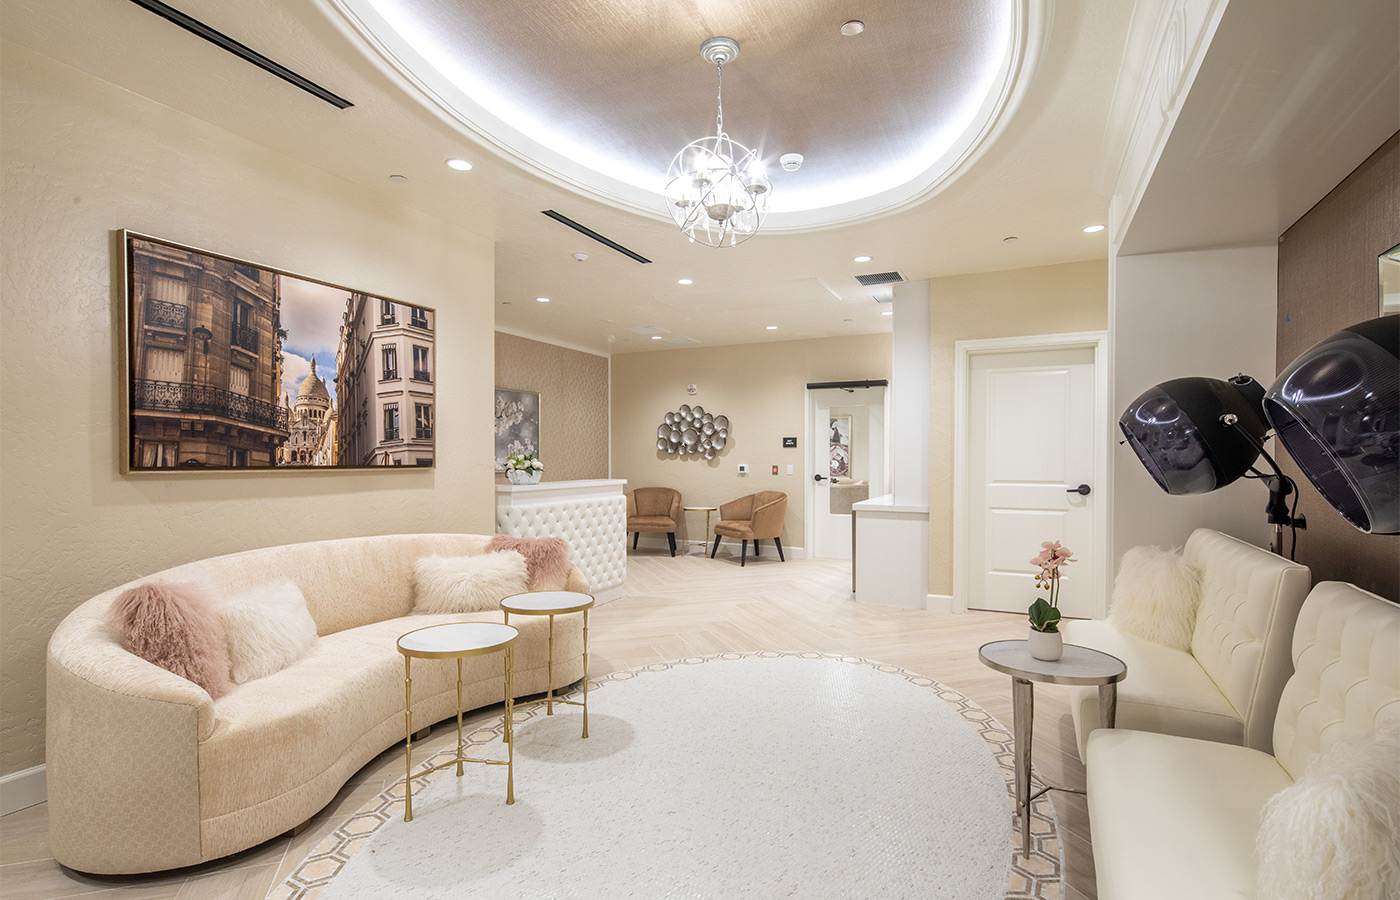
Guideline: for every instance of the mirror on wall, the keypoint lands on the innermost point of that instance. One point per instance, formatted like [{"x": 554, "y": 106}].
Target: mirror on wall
[{"x": 1390, "y": 281}]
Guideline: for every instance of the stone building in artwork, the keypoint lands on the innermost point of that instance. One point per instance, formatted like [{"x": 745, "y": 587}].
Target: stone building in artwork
[
  {"x": 384, "y": 384},
  {"x": 205, "y": 360},
  {"x": 310, "y": 416}
]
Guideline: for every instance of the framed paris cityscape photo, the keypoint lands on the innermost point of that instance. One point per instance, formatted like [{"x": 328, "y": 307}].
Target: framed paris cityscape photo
[{"x": 232, "y": 365}]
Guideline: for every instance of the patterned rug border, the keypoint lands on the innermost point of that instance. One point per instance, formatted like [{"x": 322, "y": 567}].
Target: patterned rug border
[{"x": 1034, "y": 876}]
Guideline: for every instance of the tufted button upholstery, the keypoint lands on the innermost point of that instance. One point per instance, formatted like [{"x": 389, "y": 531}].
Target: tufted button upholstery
[
  {"x": 596, "y": 529},
  {"x": 1155, "y": 797},
  {"x": 1227, "y": 688},
  {"x": 1244, "y": 625},
  {"x": 1346, "y": 653}
]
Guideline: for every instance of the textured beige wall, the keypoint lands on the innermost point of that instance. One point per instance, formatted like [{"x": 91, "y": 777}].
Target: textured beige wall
[
  {"x": 762, "y": 388},
  {"x": 1042, "y": 300},
  {"x": 573, "y": 389},
  {"x": 82, "y": 158},
  {"x": 1327, "y": 280}
]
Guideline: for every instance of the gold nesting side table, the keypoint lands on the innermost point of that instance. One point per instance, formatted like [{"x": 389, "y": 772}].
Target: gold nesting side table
[
  {"x": 552, "y": 603},
  {"x": 706, "y": 510},
  {"x": 457, "y": 640}
]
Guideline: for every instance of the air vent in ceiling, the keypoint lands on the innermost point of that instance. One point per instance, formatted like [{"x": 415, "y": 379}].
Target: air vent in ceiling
[
  {"x": 585, "y": 230},
  {"x": 242, "y": 51},
  {"x": 880, "y": 278}
]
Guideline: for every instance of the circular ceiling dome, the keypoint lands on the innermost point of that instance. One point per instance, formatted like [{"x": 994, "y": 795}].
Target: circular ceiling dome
[{"x": 598, "y": 97}]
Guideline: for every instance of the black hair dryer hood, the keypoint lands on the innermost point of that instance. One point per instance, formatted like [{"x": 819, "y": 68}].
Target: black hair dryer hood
[
  {"x": 1176, "y": 430},
  {"x": 1336, "y": 409}
]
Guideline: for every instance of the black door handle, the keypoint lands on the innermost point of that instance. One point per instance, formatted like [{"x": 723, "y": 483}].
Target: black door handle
[
  {"x": 1083, "y": 490},
  {"x": 819, "y": 478}
]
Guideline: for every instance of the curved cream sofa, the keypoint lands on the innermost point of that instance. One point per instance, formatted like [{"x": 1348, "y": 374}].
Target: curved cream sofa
[{"x": 147, "y": 772}]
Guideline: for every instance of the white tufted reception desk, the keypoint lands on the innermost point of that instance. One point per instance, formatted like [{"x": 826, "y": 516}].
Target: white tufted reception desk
[{"x": 590, "y": 515}]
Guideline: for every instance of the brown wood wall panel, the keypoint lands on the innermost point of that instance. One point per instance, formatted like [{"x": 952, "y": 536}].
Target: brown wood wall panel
[{"x": 1327, "y": 280}]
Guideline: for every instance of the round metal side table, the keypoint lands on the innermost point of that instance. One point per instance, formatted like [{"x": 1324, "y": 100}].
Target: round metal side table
[
  {"x": 1078, "y": 665},
  {"x": 457, "y": 640},
  {"x": 706, "y": 510},
  {"x": 553, "y": 603}
]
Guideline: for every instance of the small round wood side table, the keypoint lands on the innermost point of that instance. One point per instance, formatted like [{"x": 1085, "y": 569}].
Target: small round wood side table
[
  {"x": 1078, "y": 665},
  {"x": 706, "y": 510},
  {"x": 456, "y": 640},
  {"x": 553, "y": 603}
]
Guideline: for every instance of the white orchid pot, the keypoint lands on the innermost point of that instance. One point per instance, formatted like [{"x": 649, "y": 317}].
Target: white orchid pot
[
  {"x": 1046, "y": 645},
  {"x": 520, "y": 476}
]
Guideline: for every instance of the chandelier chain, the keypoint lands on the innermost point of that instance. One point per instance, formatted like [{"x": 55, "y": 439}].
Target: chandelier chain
[{"x": 719, "y": 98}]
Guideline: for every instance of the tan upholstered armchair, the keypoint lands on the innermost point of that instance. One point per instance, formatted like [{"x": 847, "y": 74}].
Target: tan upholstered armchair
[
  {"x": 653, "y": 509},
  {"x": 752, "y": 518}
]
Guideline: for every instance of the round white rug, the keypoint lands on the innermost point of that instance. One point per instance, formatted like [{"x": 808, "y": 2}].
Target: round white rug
[{"x": 748, "y": 776}]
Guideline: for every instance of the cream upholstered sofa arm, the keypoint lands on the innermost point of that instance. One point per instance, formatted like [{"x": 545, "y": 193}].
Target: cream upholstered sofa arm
[
  {"x": 149, "y": 723},
  {"x": 576, "y": 583}
]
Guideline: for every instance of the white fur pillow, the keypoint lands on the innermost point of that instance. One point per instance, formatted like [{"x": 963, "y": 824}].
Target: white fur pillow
[
  {"x": 460, "y": 584},
  {"x": 1155, "y": 597},
  {"x": 1333, "y": 833},
  {"x": 268, "y": 629}
]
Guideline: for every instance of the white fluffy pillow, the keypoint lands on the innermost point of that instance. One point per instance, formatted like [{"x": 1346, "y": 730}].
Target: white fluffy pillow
[
  {"x": 1333, "y": 833},
  {"x": 1155, "y": 597},
  {"x": 461, "y": 584},
  {"x": 268, "y": 629}
]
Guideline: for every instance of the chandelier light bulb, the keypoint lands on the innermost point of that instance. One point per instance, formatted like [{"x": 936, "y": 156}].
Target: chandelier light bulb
[{"x": 717, "y": 190}]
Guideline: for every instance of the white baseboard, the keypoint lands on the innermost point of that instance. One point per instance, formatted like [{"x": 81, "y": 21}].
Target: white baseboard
[
  {"x": 940, "y": 603},
  {"x": 23, "y": 789},
  {"x": 658, "y": 542}
]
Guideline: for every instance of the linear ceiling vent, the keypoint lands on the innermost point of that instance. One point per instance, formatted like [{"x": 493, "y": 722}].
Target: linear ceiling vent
[
  {"x": 242, "y": 51},
  {"x": 880, "y": 278},
  {"x": 585, "y": 230}
]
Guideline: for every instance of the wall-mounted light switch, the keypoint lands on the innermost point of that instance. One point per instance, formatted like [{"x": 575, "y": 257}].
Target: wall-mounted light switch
[{"x": 789, "y": 468}]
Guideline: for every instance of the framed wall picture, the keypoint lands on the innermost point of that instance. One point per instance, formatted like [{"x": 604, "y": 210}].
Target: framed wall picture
[
  {"x": 517, "y": 424},
  {"x": 234, "y": 365},
  {"x": 839, "y": 446}
]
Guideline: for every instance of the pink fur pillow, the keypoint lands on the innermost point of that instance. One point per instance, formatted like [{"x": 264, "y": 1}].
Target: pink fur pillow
[
  {"x": 547, "y": 559},
  {"x": 175, "y": 626}
]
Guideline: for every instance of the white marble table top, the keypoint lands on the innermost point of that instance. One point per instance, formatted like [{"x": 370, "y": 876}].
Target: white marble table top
[
  {"x": 1078, "y": 665},
  {"x": 457, "y": 639},
  {"x": 546, "y": 603}
]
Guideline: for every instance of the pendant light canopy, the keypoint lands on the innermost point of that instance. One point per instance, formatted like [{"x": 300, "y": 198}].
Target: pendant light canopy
[{"x": 717, "y": 192}]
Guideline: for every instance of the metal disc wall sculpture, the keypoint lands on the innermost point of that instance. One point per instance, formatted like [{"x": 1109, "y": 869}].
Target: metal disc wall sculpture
[{"x": 692, "y": 432}]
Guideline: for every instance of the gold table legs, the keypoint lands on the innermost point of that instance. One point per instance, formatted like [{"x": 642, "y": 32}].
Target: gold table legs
[
  {"x": 461, "y": 757},
  {"x": 549, "y": 699}
]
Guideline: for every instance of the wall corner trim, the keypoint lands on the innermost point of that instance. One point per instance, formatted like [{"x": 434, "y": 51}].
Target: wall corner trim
[{"x": 23, "y": 789}]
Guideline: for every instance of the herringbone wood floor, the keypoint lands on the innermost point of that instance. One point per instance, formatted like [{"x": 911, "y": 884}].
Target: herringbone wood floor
[{"x": 687, "y": 606}]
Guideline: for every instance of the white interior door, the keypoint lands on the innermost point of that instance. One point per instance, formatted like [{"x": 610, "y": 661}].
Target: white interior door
[
  {"x": 846, "y": 463},
  {"x": 1030, "y": 441}
]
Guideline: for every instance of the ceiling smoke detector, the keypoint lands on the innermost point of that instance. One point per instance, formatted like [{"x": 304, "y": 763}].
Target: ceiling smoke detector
[
  {"x": 791, "y": 162},
  {"x": 580, "y": 256}
]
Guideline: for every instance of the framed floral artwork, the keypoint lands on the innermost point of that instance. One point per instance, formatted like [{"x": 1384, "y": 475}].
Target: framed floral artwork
[{"x": 517, "y": 424}]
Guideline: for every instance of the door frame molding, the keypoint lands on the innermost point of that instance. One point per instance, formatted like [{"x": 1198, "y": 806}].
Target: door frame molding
[
  {"x": 964, "y": 351},
  {"x": 809, "y": 489}
]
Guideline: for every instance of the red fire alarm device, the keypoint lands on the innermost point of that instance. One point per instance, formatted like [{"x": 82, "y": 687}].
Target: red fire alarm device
[{"x": 775, "y": 470}]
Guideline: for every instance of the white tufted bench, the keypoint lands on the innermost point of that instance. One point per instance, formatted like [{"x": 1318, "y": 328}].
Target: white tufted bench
[
  {"x": 1227, "y": 688},
  {"x": 1175, "y": 817}
]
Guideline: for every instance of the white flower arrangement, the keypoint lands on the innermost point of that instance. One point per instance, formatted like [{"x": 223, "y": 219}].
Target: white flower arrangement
[{"x": 524, "y": 462}]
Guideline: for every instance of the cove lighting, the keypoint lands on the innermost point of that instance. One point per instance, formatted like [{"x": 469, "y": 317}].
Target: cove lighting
[
  {"x": 1092, "y": 229},
  {"x": 461, "y": 165}
]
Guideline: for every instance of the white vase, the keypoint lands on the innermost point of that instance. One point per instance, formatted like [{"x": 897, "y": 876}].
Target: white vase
[
  {"x": 531, "y": 477},
  {"x": 1048, "y": 646}
]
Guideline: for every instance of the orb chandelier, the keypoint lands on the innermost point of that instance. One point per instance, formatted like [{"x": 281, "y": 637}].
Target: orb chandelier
[{"x": 717, "y": 192}]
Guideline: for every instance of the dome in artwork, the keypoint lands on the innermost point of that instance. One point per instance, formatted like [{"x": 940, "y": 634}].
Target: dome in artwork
[{"x": 313, "y": 390}]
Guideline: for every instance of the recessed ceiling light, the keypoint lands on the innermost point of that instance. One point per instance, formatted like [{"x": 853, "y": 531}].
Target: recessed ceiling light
[
  {"x": 862, "y": 259},
  {"x": 542, "y": 299},
  {"x": 888, "y": 312},
  {"x": 398, "y": 179},
  {"x": 684, "y": 281},
  {"x": 771, "y": 327},
  {"x": 853, "y": 28},
  {"x": 461, "y": 165},
  {"x": 1093, "y": 228},
  {"x": 656, "y": 337},
  {"x": 1010, "y": 240}
]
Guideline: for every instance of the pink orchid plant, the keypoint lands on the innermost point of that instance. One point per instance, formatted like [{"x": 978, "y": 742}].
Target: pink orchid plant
[{"x": 1045, "y": 616}]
